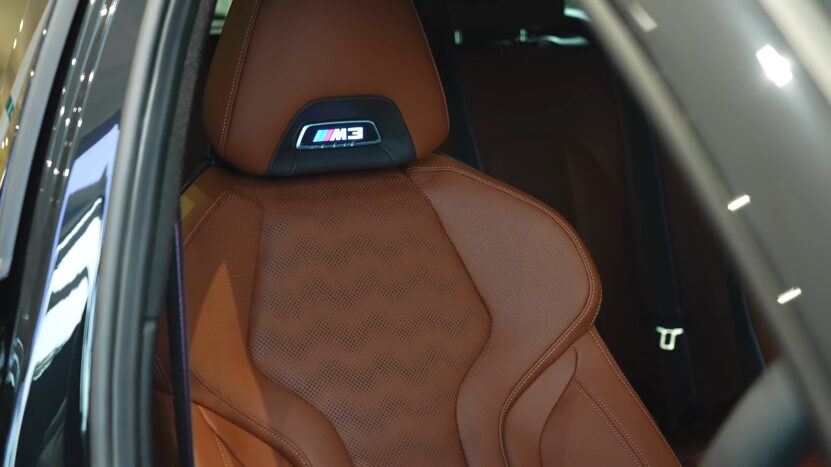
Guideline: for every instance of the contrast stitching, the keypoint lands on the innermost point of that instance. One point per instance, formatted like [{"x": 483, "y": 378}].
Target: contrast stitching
[
  {"x": 202, "y": 219},
  {"x": 221, "y": 450},
  {"x": 625, "y": 383},
  {"x": 476, "y": 288},
  {"x": 237, "y": 73},
  {"x": 609, "y": 424},
  {"x": 614, "y": 419},
  {"x": 557, "y": 402},
  {"x": 517, "y": 388},
  {"x": 279, "y": 437},
  {"x": 252, "y": 197},
  {"x": 216, "y": 437}
]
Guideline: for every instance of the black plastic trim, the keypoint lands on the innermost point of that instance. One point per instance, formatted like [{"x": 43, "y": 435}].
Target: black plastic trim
[{"x": 395, "y": 148}]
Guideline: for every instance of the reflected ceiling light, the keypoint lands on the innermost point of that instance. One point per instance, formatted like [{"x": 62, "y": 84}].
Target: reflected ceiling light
[
  {"x": 738, "y": 203},
  {"x": 74, "y": 61},
  {"x": 789, "y": 295},
  {"x": 644, "y": 20},
  {"x": 776, "y": 67},
  {"x": 103, "y": 11},
  {"x": 14, "y": 44}
]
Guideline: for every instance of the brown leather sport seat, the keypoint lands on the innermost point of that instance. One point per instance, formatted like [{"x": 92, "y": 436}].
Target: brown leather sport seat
[{"x": 363, "y": 301}]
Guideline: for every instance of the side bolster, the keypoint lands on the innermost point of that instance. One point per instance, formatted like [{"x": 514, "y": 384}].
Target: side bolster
[
  {"x": 527, "y": 419},
  {"x": 222, "y": 227},
  {"x": 534, "y": 276},
  {"x": 599, "y": 420},
  {"x": 220, "y": 442},
  {"x": 217, "y": 442}
]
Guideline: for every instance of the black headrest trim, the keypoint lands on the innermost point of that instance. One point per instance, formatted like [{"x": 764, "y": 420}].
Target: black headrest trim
[{"x": 390, "y": 146}]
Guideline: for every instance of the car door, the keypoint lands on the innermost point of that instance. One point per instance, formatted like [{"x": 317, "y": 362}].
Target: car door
[{"x": 64, "y": 111}]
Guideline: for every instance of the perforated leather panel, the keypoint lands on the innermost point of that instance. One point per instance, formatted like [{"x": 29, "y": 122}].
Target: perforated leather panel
[{"x": 363, "y": 308}]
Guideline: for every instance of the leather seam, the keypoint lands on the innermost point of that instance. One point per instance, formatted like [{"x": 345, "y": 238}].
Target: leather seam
[
  {"x": 202, "y": 219},
  {"x": 221, "y": 450},
  {"x": 554, "y": 407},
  {"x": 610, "y": 415},
  {"x": 219, "y": 442},
  {"x": 517, "y": 388},
  {"x": 629, "y": 389},
  {"x": 288, "y": 444},
  {"x": 253, "y": 198},
  {"x": 608, "y": 422},
  {"x": 232, "y": 93},
  {"x": 475, "y": 287}
]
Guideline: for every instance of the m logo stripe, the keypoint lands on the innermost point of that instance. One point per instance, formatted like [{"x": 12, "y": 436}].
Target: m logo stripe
[
  {"x": 319, "y": 136},
  {"x": 342, "y": 134}
]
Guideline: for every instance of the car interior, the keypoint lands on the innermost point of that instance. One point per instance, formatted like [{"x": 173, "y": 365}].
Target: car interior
[{"x": 441, "y": 233}]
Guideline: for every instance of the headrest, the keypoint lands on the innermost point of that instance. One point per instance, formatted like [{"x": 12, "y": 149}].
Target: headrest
[
  {"x": 303, "y": 86},
  {"x": 508, "y": 16}
]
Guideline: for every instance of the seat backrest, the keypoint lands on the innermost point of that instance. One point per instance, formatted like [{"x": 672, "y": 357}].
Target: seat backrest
[{"x": 355, "y": 299}]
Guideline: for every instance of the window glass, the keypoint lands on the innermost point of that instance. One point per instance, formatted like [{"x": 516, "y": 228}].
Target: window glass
[{"x": 21, "y": 32}]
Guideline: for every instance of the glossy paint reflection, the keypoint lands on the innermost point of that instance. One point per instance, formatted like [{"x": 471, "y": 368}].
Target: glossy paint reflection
[
  {"x": 49, "y": 379},
  {"x": 76, "y": 259},
  {"x": 73, "y": 271}
]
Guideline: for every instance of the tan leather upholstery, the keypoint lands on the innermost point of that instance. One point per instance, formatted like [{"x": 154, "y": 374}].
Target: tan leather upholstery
[
  {"x": 276, "y": 56},
  {"x": 420, "y": 315},
  {"x": 549, "y": 121}
]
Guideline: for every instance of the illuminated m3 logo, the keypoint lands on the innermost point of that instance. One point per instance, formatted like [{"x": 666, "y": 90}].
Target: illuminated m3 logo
[
  {"x": 355, "y": 133},
  {"x": 333, "y": 135}
]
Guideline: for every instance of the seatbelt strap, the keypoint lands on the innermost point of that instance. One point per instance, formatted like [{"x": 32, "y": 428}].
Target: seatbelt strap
[
  {"x": 659, "y": 268},
  {"x": 177, "y": 333}
]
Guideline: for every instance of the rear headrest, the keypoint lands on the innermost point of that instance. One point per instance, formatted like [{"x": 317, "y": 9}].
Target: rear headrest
[
  {"x": 508, "y": 16},
  {"x": 303, "y": 86}
]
